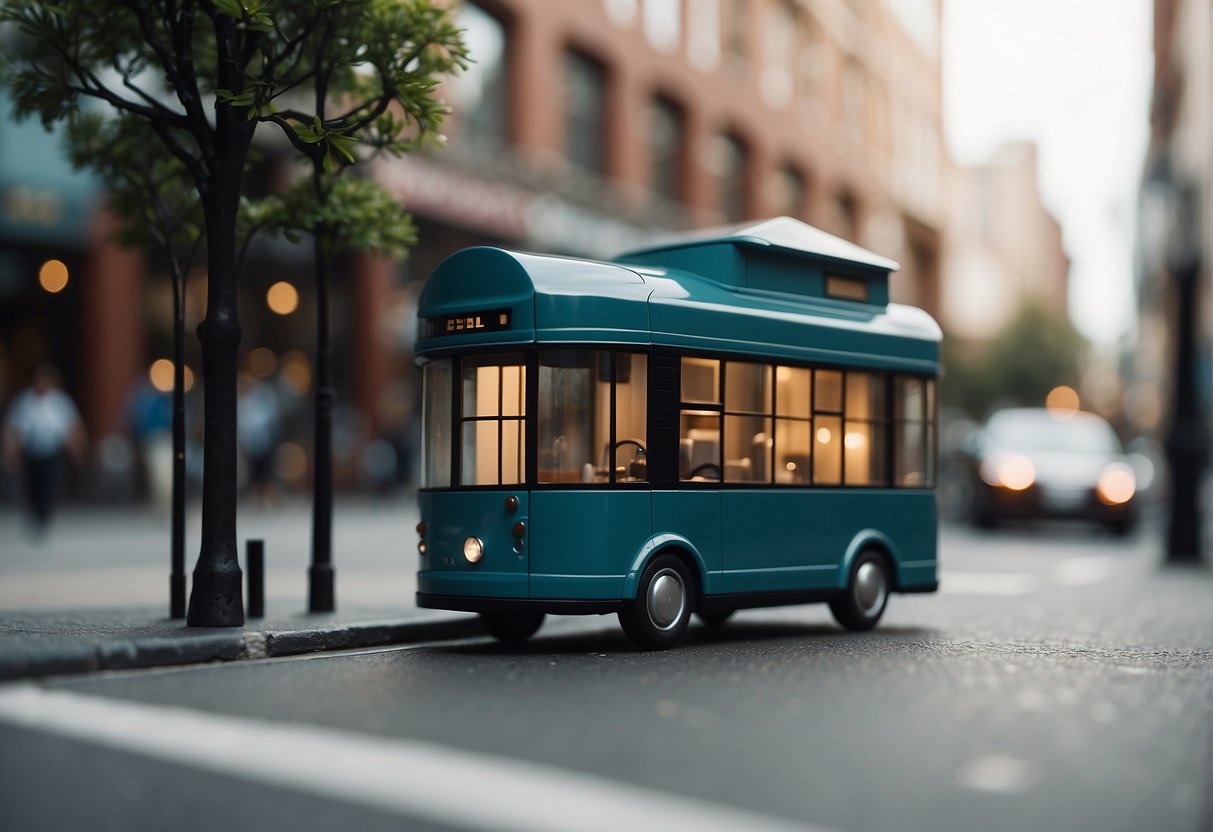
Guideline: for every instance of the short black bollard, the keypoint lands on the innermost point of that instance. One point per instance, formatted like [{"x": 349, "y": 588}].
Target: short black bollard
[{"x": 256, "y": 578}]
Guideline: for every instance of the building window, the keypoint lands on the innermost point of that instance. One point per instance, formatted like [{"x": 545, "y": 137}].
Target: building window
[
  {"x": 737, "y": 33},
  {"x": 480, "y": 94},
  {"x": 779, "y": 54},
  {"x": 852, "y": 100},
  {"x": 622, "y": 12},
  {"x": 790, "y": 192},
  {"x": 666, "y": 138},
  {"x": 663, "y": 23},
  {"x": 585, "y": 108},
  {"x": 703, "y": 34},
  {"x": 731, "y": 163}
]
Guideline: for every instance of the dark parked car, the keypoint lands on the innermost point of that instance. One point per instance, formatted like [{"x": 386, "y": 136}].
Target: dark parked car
[{"x": 1036, "y": 463}]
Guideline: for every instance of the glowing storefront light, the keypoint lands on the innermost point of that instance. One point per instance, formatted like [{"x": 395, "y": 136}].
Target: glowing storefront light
[
  {"x": 160, "y": 374},
  {"x": 53, "y": 276},
  {"x": 282, "y": 298}
]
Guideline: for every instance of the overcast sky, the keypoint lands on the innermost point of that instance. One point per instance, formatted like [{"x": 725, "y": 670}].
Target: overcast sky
[{"x": 1074, "y": 76}]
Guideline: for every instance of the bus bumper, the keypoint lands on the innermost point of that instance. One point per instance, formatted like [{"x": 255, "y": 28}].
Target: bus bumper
[{"x": 471, "y": 603}]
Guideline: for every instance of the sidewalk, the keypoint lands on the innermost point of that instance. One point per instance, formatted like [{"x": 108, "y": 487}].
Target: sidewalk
[{"x": 93, "y": 594}]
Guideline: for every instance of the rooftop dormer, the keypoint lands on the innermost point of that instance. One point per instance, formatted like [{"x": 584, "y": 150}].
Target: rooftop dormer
[{"x": 779, "y": 255}]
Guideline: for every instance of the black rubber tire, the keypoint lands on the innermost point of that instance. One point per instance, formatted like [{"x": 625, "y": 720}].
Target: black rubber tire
[
  {"x": 511, "y": 627},
  {"x": 639, "y": 624},
  {"x": 715, "y": 618},
  {"x": 851, "y": 609}
]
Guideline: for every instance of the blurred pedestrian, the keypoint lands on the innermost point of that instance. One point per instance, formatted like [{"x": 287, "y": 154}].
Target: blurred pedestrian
[
  {"x": 258, "y": 427},
  {"x": 42, "y": 426}
]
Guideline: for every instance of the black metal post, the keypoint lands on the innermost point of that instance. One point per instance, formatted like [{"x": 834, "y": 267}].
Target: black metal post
[
  {"x": 320, "y": 573},
  {"x": 177, "y": 575},
  {"x": 1186, "y": 443},
  {"x": 255, "y": 561}
]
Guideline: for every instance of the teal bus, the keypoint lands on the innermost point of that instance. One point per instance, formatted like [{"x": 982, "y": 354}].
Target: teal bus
[{"x": 734, "y": 419}]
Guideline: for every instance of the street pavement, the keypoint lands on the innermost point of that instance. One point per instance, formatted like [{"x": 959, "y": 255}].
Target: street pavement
[
  {"x": 1060, "y": 680},
  {"x": 92, "y": 594}
]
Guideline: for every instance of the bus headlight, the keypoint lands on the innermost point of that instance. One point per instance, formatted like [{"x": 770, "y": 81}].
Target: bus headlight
[
  {"x": 1116, "y": 485},
  {"x": 473, "y": 549}
]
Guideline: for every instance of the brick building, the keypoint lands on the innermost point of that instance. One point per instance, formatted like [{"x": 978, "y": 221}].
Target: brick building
[{"x": 585, "y": 127}]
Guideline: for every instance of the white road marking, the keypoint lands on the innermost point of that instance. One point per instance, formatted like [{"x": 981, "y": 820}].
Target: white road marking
[
  {"x": 1005, "y": 584},
  {"x": 404, "y": 777},
  {"x": 1083, "y": 571},
  {"x": 998, "y": 774}
]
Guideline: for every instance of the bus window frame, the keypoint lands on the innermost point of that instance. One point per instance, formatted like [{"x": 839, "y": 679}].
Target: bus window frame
[{"x": 530, "y": 353}]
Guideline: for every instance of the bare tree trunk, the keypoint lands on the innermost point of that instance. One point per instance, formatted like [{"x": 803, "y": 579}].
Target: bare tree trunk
[{"x": 216, "y": 599}]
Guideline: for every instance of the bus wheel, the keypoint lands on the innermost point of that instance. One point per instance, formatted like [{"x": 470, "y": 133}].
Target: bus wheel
[
  {"x": 511, "y": 626},
  {"x": 861, "y": 606},
  {"x": 715, "y": 619},
  {"x": 664, "y": 600}
]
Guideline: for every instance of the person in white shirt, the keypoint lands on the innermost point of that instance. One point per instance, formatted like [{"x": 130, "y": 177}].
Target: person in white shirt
[{"x": 42, "y": 425}]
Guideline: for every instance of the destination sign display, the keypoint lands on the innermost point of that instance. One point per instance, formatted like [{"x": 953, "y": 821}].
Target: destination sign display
[{"x": 496, "y": 320}]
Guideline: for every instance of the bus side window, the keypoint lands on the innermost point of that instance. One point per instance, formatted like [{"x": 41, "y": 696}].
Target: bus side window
[
  {"x": 576, "y": 444},
  {"x": 748, "y": 404},
  {"x": 493, "y": 439},
  {"x": 793, "y": 425},
  {"x": 699, "y": 430},
  {"x": 911, "y": 434},
  {"x": 827, "y": 427},
  {"x": 865, "y": 436}
]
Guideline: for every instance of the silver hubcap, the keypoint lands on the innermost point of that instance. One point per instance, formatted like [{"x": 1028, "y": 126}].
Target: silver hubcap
[
  {"x": 870, "y": 588},
  {"x": 666, "y": 599}
]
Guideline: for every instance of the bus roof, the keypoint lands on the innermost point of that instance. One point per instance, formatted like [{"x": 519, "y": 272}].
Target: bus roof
[
  {"x": 482, "y": 297},
  {"x": 781, "y": 233}
]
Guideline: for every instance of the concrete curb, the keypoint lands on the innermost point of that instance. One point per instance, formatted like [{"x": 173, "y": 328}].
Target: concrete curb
[{"x": 90, "y": 656}]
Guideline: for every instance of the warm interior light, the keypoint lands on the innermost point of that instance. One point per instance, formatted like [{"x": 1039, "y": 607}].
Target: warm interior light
[
  {"x": 282, "y": 298},
  {"x": 1062, "y": 402},
  {"x": 262, "y": 362},
  {"x": 823, "y": 436},
  {"x": 1116, "y": 484},
  {"x": 854, "y": 441},
  {"x": 296, "y": 371},
  {"x": 160, "y": 374},
  {"x": 53, "y": 276},
  {"x": 290, "y": 462}
]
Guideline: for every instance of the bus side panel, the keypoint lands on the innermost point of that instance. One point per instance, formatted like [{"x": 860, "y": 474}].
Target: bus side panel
[
  {"x": 798, "y": 539},
  {"x": 780, "y": 539},
  {"x": 694, "y": 515},
  {"x": 582, "y": 542},
  {"x": 453, "y": 516}
]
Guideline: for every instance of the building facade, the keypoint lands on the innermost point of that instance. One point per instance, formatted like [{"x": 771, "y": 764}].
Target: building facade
[
  {"x": 1004, "y": 248},
  {"x": 1175, "y": 218},
  {"x": 585, "y": 127}
]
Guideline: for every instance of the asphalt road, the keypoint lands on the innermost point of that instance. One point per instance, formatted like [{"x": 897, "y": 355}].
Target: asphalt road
[{"x": 1059, "y": 681}]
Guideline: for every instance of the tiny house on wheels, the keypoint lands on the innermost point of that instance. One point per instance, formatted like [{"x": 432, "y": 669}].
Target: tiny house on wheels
[{"x": 735, "y": 419}]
